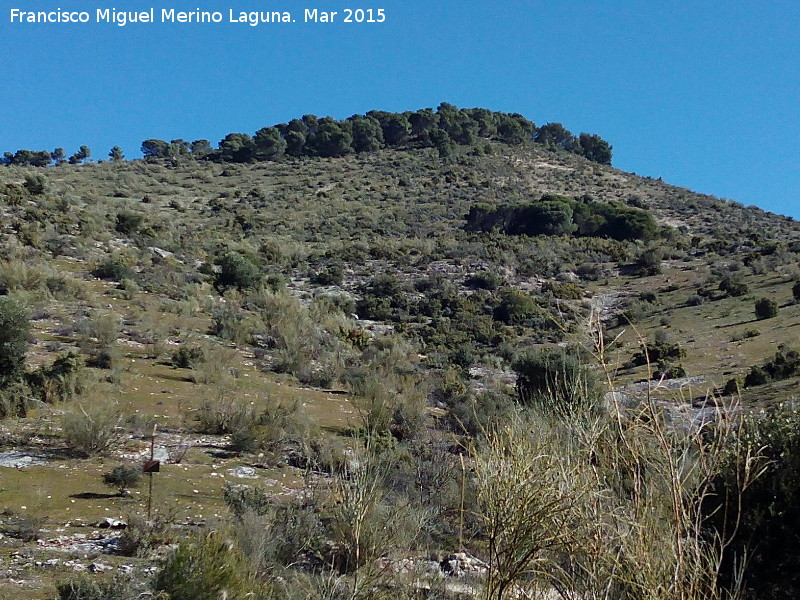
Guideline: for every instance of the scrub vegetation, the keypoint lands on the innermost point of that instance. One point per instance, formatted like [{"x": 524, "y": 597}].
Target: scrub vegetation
[{"x": 436, "y": 354}]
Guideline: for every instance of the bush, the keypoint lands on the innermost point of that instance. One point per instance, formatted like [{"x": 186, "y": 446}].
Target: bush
[
  {"x": 22, "y": 527},
  {"x": 15, "y": 400},
  {"x": 485, "y": 280},
  {"x": 657, "y": 351},
  {"x": 333, "y": 275},
  {"x": 784, "y": 365},
  {"x": 564, "y": 291},
  {"x": 122, "y": 477},
  {"x": 89, "y": 587},
  {"x": 668, "y": 370},
  {"x": 649, "y": 261},
  {"x": 93, "y": 431},
  {"x": 128, "y": 223},
  {"x": 278, "y": 423},
  {"x": 515, "y": 307},
  {"x": 733, "y": 286},
  {"x": 555, "y": 380},
  {"x": 796, "y": 291},
  {"x": 766, "y": 308},
  {"x": 206, "y": 567},
  {"x": 272, "y": 532},
  {"x": 764, "y": 523},
  {"x": 756, "y": 376},
  {"x": 238, "y": 271},
  {"x": 113, "y": 269},
  {"x": 225, "y": 414},
  {"x": 35, "y": 184},
  {"x": 14, "y": 328},
  {"x": 733, "y": 386},
  {"x": 141, "y": 537},
  {"x": 383, "y": 298},
  {"x": 61, "y": 381},
  {"x": 188, "y": 357}
]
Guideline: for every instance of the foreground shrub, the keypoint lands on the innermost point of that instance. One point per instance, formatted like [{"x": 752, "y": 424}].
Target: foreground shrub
[
  {"x": 274, "y": 533},
  {"x": 762, "y": 518},
  {"x": 91, "y": 587},
  {"x": 206, "y": 567},
  {"x": 142, "y": 536}
]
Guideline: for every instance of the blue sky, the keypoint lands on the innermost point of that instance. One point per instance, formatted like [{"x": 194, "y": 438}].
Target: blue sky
[{"x": 703, "y": 94}]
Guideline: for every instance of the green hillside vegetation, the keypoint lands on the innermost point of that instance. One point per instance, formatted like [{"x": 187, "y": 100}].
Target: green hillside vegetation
[
  {"x": 444, "y": 129},
  {"x": 369, "y": 345}
]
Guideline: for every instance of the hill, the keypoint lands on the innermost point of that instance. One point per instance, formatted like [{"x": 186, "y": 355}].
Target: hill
[{"x": 270, "y": 316}]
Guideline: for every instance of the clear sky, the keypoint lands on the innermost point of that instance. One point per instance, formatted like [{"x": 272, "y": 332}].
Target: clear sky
[{"x": 704, "y": 94}]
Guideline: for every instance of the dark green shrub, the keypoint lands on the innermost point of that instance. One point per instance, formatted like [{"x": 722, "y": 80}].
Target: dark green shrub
[
  {"x": 485, "y": 280},
  {"x": 238, "y": 271},
  {"x": 756, "y": 376},
  {"x": 766, "y": 308},
  {"x": 555, "y": 380},
  {"x": 784, "y": 365},
  {"x": 16, "y": 399},
  {"x": 633, "y": 311},
  {"x": 559, "y": 215},
  {"x": 188, "y": 356},
  {"x": 649, "y": 261},
  {"x": 649, "y": 297},
  {"x": 14, "y": 328},
  {"x": 113, "y": 269},
  {"x": 478, "y": 414},
  {"x": 733, "y": 286},
  {"x": 383, "y": 298},
  {"x": 243, "y": 499},
  {"x": 122, "y": 477},
  {"x": 796, "y": 291},
  {"x": 668, "y": 370},
  {"x": 733, "y": 386},
  {"x": 101, "y": 358},
  {"x": 128, "y": 223},
  {"x": 515, "y": 307},
  {"x": 59, "y": 382},
  {"x": 35, "y": 184},
  {"x": 763, "y": 519},
  {"x": 695, "y": 300},
  {"x": 207, "y": 567},
  {"x": 333, "y": 275},
  {"x": 141, "y": 537},
  {"x": 658, "y": 351},
  {"x": 564, "y": 291}
]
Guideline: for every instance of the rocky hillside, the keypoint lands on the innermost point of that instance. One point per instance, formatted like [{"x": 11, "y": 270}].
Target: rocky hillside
[{"x": 269, "y": 317}]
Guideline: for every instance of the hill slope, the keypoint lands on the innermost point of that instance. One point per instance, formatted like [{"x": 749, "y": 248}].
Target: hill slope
[{"x": 194, "y": 290}]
